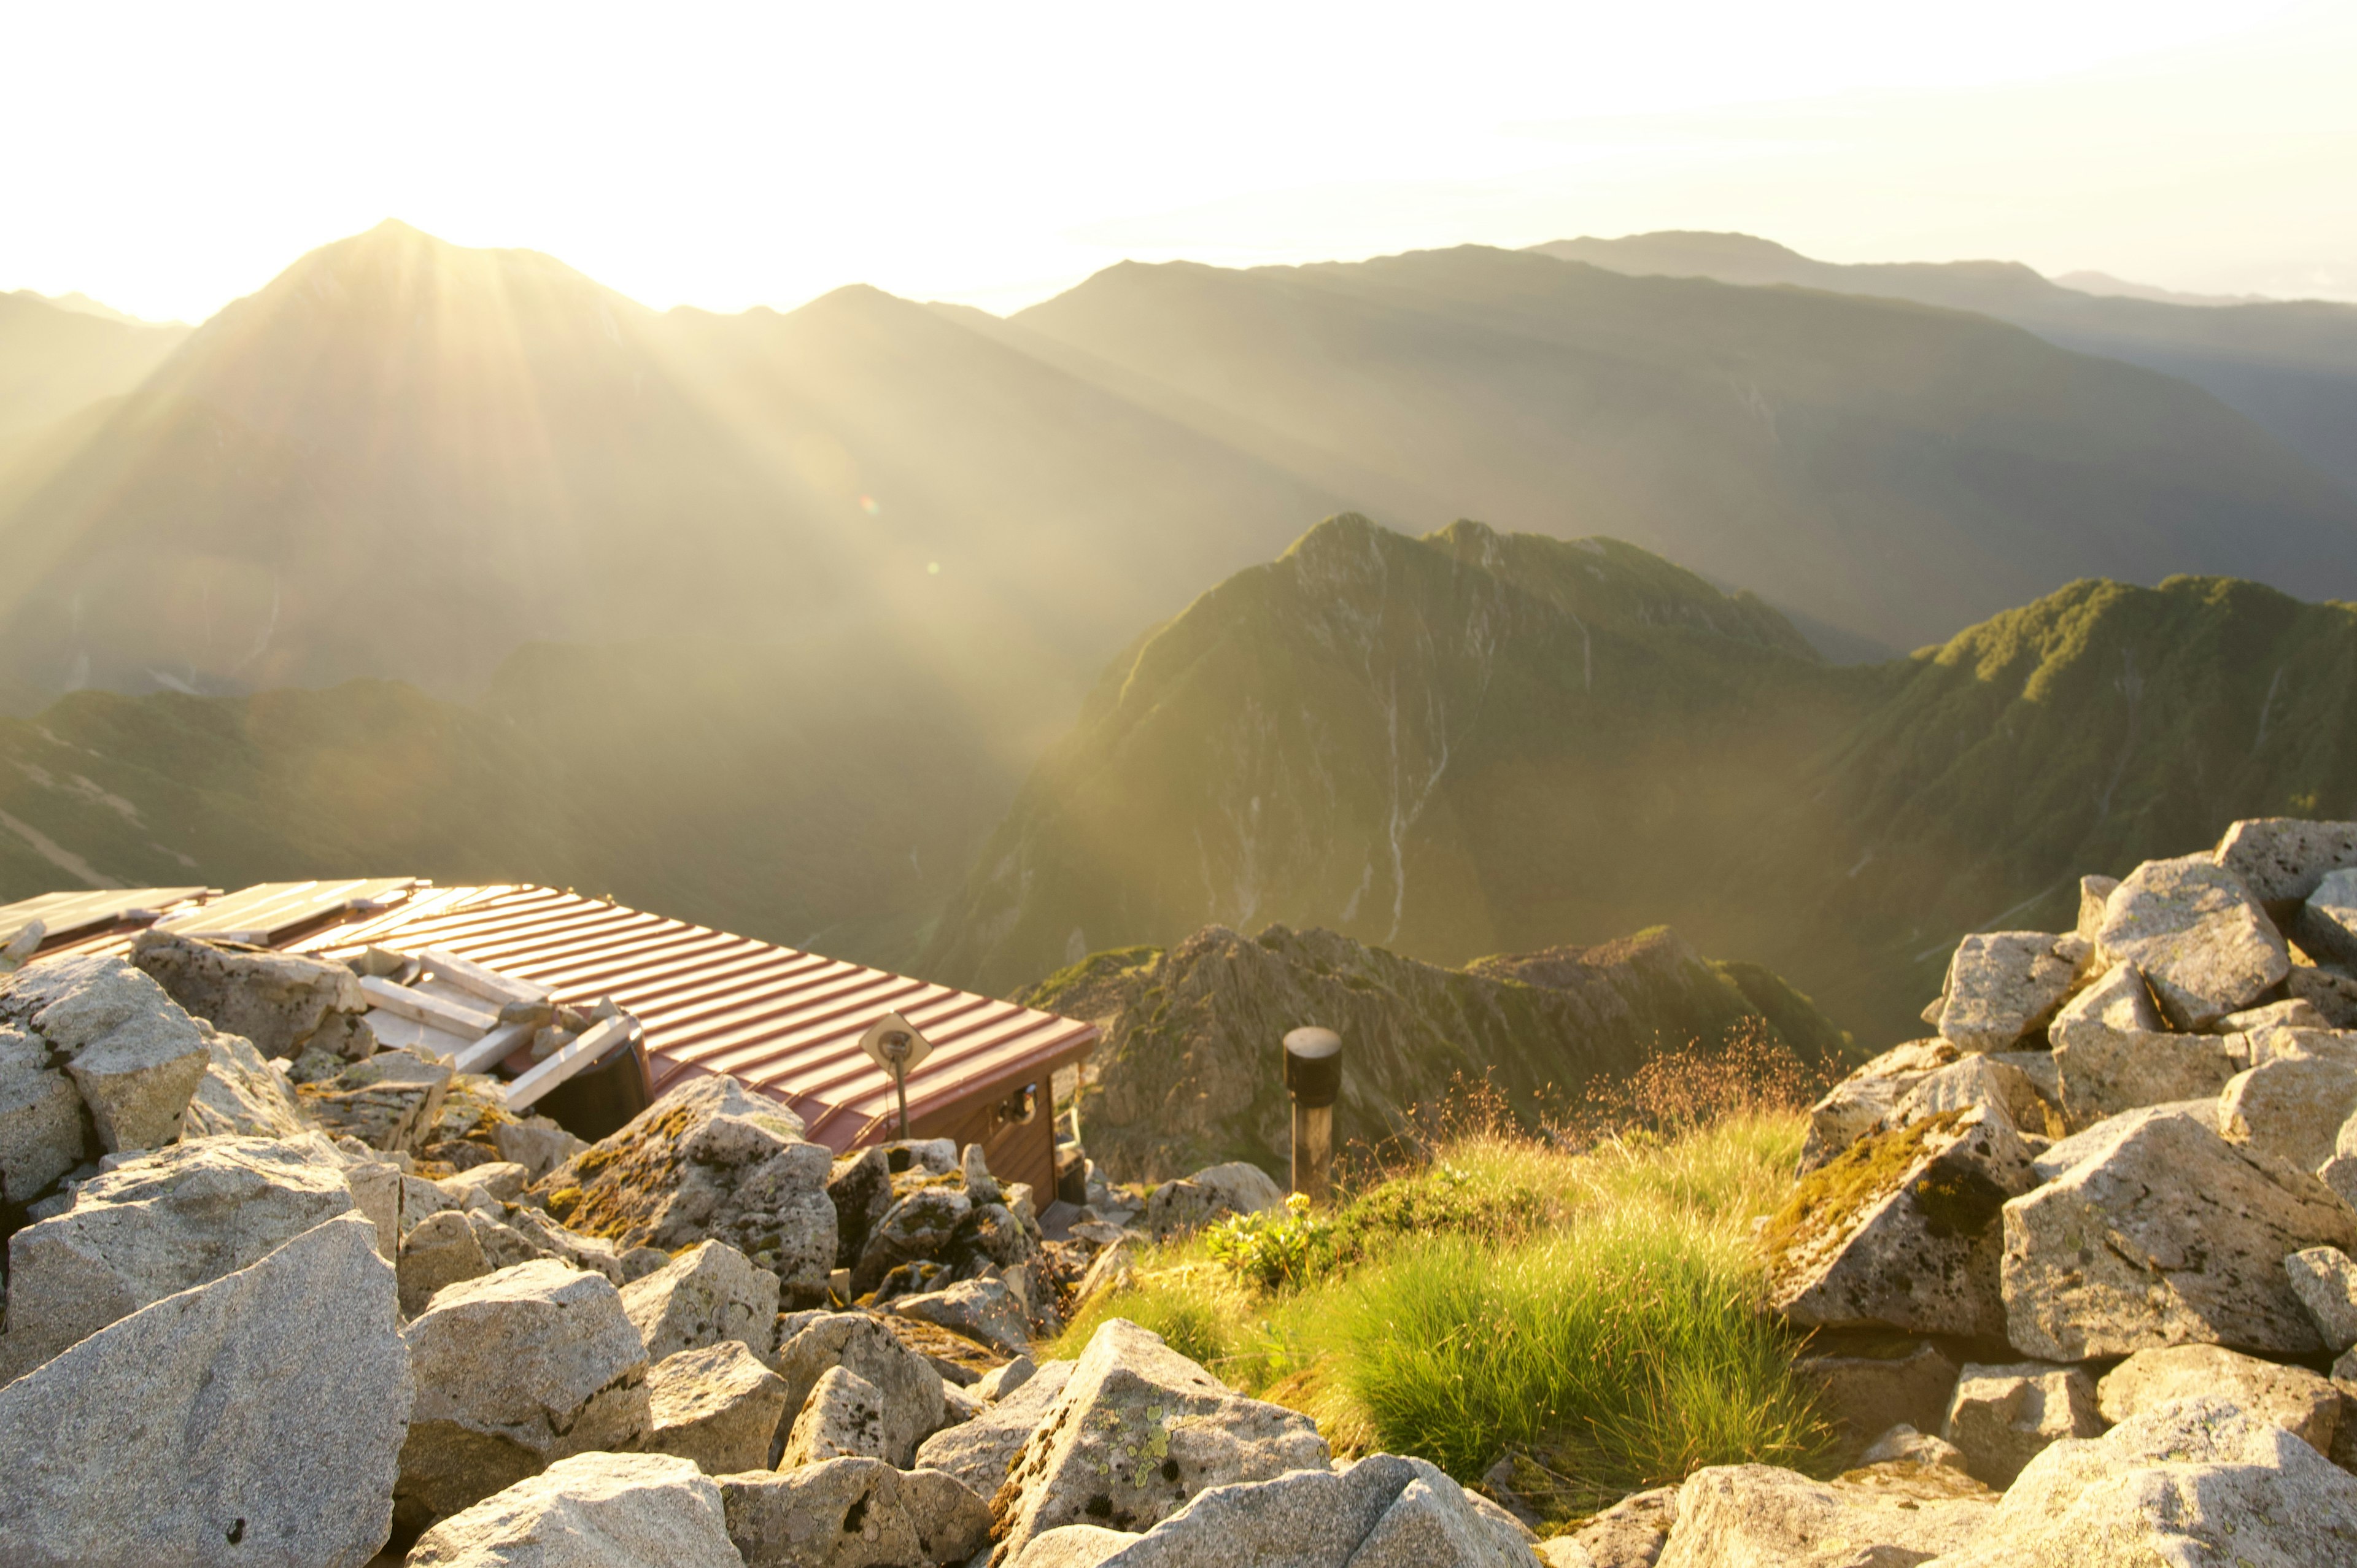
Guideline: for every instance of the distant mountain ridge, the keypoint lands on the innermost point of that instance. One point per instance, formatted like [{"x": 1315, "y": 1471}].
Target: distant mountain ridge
[
  {"x": 1474, "y": 742},
  {"x": 2290, "y": 365},
  {"x": 55, "y": 358}
]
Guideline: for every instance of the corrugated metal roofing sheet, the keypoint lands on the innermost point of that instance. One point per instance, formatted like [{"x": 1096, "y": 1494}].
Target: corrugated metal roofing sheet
[
  {"x": 269, "y": 912},
  {"x": 786, "y": 1021},
  {"x": 70, "y": 914}
]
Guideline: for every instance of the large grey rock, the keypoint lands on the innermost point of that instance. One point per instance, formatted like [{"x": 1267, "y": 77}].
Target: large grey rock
[
  {"x": 981, "y": 1450},
  {"x": 134, "y": 1056},
  {"x": 853, "y": 1513},
  {"x": 842, "y": 1419},
  {"x": 1858, "y": 1104},
  {"x": 2003, "y": 986},
  {"x": 1979, "y": 1081},
  {"x": 2282, "y": 859},
  {"x": 1888, "y": 1515},
  {"x": 2112, "y": 1052},
  {"x": 2326, "y": 927},
  {"x": 2326, "y": 1282},
  {"x": 710, "y": 1292},
  {"x": 709, "y": 1161},
  {"x": 1138, "y": 1430},
  {"x": 389, "y": 1102},
  {"x": 2291, "y": 1105},
  {"x": 2166, "y": 1235},
  {"x": 1868, "y": 1388},
  {"x": 591, "y": 1511},
  {"x": 254, "y": 1419},
  {"x": 2300, "y": 1402},
  {"x": 515, "y": 1370},
  {"x": 158, "y": 1225},
  {"x": 2203, "y": 943},
  {"x": 2194, "y": 1482},
  {"x": 43, "y": 1132},
  {"x": 280, "y": 1002},
  {"x": 241, "y": 1093},
  {"x": 909, "y": 1386},
  {"x": 1236, "y": 1187},
  {"x": 439, "y": 1250},
  {"x": 1902, "y": 1230},
  {"x": 2105, "y": 1136},
  {"x": 1386, "y": 1512},
  {"x": 982, "y": 1310},
  {"x": 2094, "y": 892},
  {"x": 1629, "y": 1534},
  {"x": 2002, "y": 1417},
  {"x": 718, "y": 1405}
]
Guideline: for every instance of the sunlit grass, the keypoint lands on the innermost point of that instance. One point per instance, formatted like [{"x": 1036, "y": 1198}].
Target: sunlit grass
[{"x": 1595, "y": 1315}]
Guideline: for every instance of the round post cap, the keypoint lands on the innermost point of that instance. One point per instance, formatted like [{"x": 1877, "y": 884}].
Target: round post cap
[{"x": 1313, "y": 1066}]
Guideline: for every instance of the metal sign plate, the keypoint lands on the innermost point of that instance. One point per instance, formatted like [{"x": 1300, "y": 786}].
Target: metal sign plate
[{"x": 893, "y": 1029}]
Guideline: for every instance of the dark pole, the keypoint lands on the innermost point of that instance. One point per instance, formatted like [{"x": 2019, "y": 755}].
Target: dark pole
[{"x": 1313, "y": 1071}]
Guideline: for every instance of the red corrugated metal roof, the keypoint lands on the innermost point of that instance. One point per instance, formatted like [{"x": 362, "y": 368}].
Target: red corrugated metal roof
[{"x": 786, "y": 1021}]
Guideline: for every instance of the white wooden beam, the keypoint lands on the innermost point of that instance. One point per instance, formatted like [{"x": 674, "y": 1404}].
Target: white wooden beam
[
  {"x": 435, "y": 1011},
  {"x": 585, "y": 1048},
  {"x": 488, "y": 983},
  {"x": 489, "y": 1051}
]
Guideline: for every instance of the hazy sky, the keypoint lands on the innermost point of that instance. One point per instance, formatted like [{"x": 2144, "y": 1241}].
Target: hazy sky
[{"x": 166, "y": 159}]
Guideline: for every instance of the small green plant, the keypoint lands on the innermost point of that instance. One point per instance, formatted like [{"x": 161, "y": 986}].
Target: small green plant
[{"x": 1272, "y": 1251}]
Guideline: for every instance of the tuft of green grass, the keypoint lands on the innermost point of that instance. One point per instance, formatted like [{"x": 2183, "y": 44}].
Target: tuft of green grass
[{"x": 1597, "y": 1315}]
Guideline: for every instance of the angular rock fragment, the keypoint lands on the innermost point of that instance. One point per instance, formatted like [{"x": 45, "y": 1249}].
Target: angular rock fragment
[
  {"x": 2196, "y": 1481},
  {"x": 709, "y": 1161},
  {"x": 918, "y": 1227},
  {"x": 2329, "y": 992},
  {"x": 1629, "y": 1534},
  {"x": 2282, "y": 859},
  {"x": 240, "y": 1093},
  {"x": 440, "y": 1251},
  {"x": 860, "y": 1187},
  {"x": 591, "y": 1511},
  {"x": 995, "y": 1386},
  {"x": 515, "y": 1370},
  {"x": 2004, "y": 1416},
  {"x": 842, "y": 1419},
  {"x": 2105, "y": 1136},
  {"x": 2291, "y": 1105},
  {"x": 1981, "y": 1081},
  {"x": 158, "y": 1225},
  {"x": 501, "y": 1180},
  {"x": 2093, "y": 893},
  {"x": 256, "y": 1418},
  {"x": 2165, "y": 1234},
  {"x": 717, "y": 1405},
  {"x": 985, "y": 1310},
  {"x": 2326, "y": 925},
  {"x": 2203, "y": 943},
  {"x": 2003, "y": 986},
  {"x": 1904, "y": 1444},
  {"x": 42, "y": 1131},
  {"x": 853, "y": 1513},
  {"x": 280, "y": 1001},
  {"x": 1236, "y": 1187},
  {"x": 1857, "y": 1105},
  {"x": 1902, "y": 1231},
  {"x": 2292, "y": 1012},
  {"x": 1888, "y": 1515},
  {"x": 981, "y": 1450},
  {"x": 388, "y": 1101},
  {"x": 910, "y": 1387},
  {"x": 1385, "y": 1511},
  {"x": 710, "y": 1292},
  {"x": 134, "y": 1056},
  {"x": 2111, "y": 1053},
  {"x": 2326, "y": 1282},
  {"x": 1138, "y": 1432},
  {"x": 2298, "y": 1401},
  {"x": 536, "y": 1143},
  {"x": 547, "y": 1239}
]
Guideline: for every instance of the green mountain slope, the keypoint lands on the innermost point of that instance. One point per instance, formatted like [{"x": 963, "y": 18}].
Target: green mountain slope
[
  {"x": 55, "y": 358},
  {"x": 2290, "y": 365},
  {"x": 1891, "y": 470},
  {"x": 1410, "y": 742},
  {"x": 1185, "y": 1076},
  {"x": 1477, "y": 742}
]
